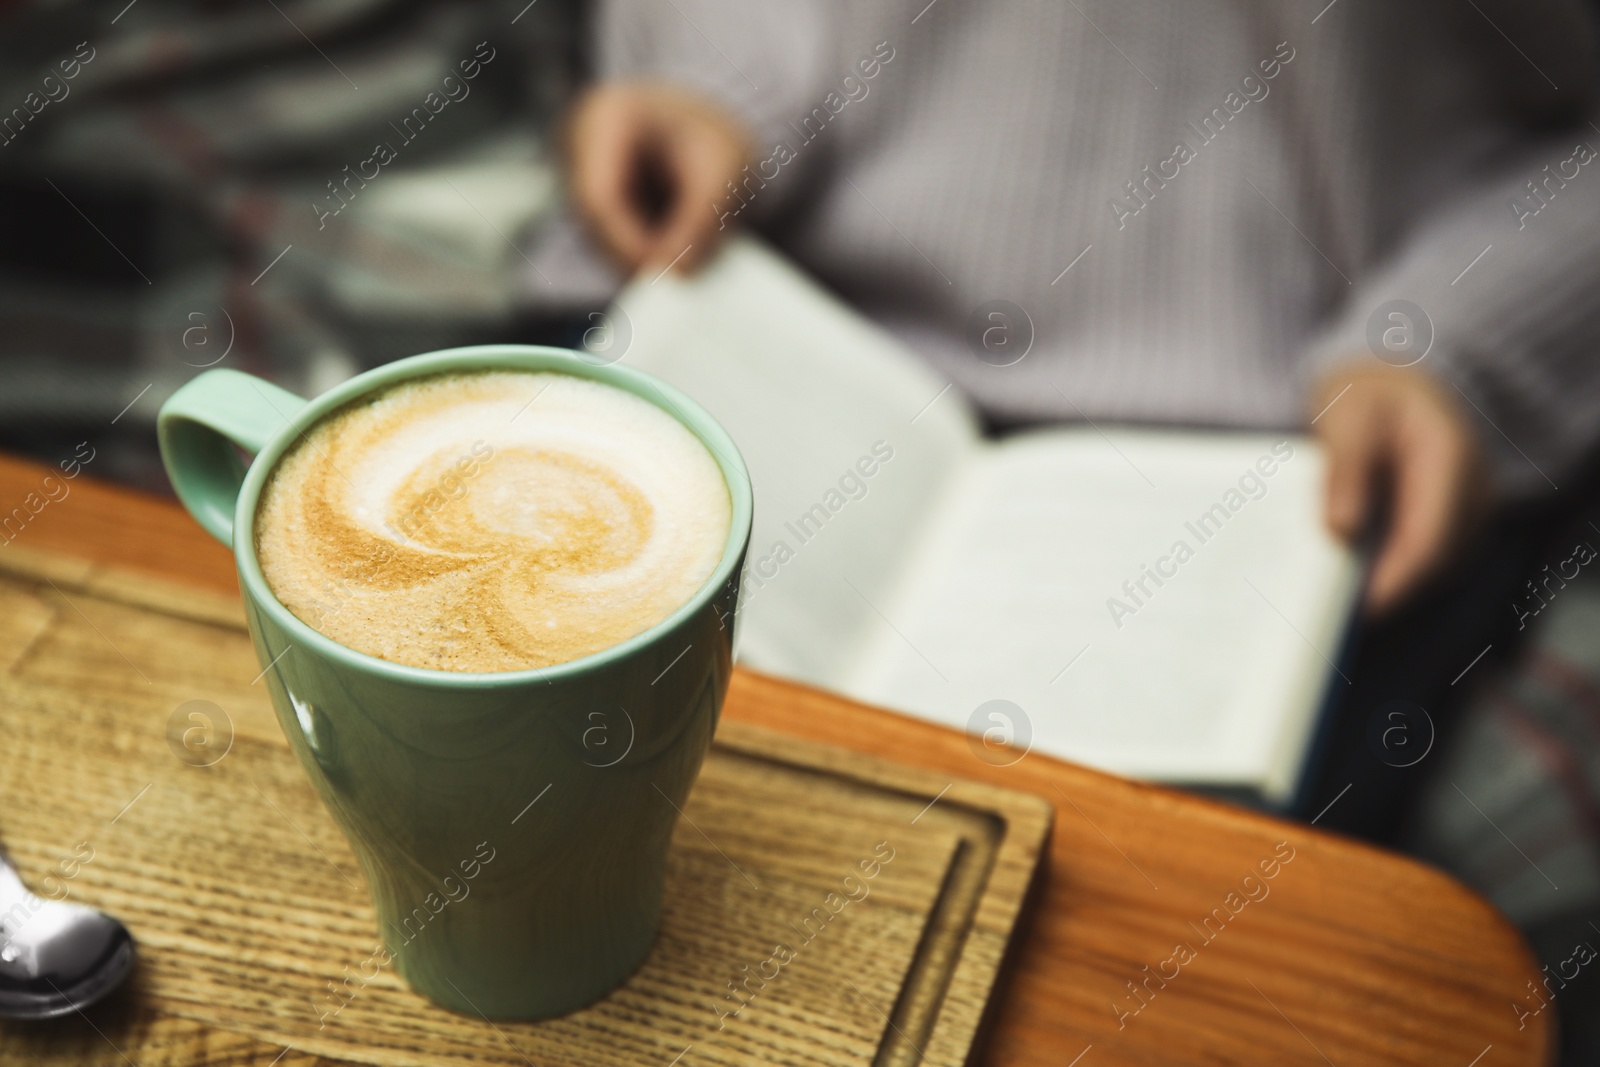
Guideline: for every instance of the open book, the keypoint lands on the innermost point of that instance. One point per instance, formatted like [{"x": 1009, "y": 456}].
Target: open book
[{"x": 1163, "y": 604}]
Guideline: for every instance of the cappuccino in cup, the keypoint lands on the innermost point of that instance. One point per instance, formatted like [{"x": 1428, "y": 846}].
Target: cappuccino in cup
[
  {"x": 492, "y": 520},
  {"x": 473, "y": 513}
]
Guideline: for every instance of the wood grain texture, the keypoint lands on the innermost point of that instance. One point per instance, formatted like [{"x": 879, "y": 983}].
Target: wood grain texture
[
  {"x": 1356, "y": 956},
  {"x": 822, "y": 908}
]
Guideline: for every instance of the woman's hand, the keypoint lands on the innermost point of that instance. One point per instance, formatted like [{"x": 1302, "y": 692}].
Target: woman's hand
[
  {"x": 650, "y": 165},
  {"x": 1397, "y": 431}
]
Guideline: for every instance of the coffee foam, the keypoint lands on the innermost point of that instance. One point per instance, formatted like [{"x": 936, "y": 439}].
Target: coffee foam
[{"x": 492, "y": 521}]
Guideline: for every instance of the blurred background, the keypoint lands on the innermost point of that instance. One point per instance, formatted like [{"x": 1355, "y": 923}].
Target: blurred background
[
  {"x": 304, "y": 189},
  {"x": 158, "y": 213}
]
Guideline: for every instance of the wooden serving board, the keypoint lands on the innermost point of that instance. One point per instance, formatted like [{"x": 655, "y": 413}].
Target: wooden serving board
[{"x": 248, "y": 906}]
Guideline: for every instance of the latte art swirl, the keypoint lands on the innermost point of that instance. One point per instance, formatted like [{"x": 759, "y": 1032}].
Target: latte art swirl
[{"x": 492, "y": 521}]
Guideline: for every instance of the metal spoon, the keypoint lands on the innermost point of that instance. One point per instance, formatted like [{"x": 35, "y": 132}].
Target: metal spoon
[{"x": 55, "y": 957}]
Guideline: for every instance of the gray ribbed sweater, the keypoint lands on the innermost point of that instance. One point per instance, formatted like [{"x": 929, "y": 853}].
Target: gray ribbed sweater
[{"x": 1197, "y": 204}]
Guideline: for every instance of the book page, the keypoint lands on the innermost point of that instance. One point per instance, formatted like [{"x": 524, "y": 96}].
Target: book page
[
  {"x": 1163, "y": 605},
  {"x": 850, "y": 441}
]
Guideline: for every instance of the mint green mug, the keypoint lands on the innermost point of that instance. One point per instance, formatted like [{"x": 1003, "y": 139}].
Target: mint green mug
[{"x": 513, "y": 827}]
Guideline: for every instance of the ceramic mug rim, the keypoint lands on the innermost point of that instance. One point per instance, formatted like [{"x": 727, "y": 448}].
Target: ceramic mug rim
[{"x": 682, "y": 409}]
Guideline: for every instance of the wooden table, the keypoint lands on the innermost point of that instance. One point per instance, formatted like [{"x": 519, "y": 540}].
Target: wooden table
[{"x": 1346, "y": 955}]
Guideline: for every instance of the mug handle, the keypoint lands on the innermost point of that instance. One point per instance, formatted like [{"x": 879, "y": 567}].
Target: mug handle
[{"x": 201, "y": 429}]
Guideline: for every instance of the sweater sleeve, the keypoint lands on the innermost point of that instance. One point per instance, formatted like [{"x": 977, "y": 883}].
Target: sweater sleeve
[{"x": 1499, "y": 295}]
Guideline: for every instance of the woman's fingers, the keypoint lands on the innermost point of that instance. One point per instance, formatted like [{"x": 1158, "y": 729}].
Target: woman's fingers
[
  {"x": 650, "y": 166},
  {"x": 1399, "y": 424},
  {"x": 607, "y": 140},
  {"x": 1348, "y": 427}
]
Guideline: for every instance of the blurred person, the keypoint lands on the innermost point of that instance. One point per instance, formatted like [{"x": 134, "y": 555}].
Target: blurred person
[
  {"x": 1380, "y": 221},
  {"x": 1245, "y": 185}
]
